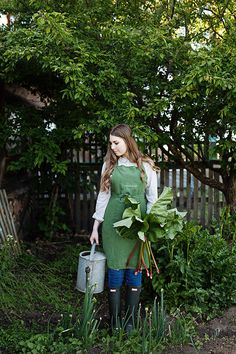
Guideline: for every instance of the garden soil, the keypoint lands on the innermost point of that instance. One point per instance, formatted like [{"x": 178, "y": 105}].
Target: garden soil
[{"x": 217, "y": 336}]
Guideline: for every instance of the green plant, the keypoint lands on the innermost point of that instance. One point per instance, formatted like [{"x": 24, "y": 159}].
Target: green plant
[
  {"x": 46, "y": 343},
  {"x": 75, "y": 330},
  {"x": 82, "y": 325},
  {"x": 154, "y": 330},
  {"x": 197, "y": 271},
  {"x": 52, "y": 221},
  {"x": 227, "y": 227},
  {"x": 29, "y": 286},
  {"x": 8, "y": 278},
  {"x": 12, "y": 333},
  {"x": 7, "y": 255},
  {"x": 161, "y": 222},
  {"x": 154, "y": 326},
  {"x": 181, "y": 328}
]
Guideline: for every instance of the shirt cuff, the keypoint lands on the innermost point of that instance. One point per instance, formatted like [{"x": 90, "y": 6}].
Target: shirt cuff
[{"x": 97, "y": 217}]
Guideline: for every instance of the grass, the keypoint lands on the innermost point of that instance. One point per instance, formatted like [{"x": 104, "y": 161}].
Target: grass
[
  {"x": 31, "y": 285},
  {"x": 34, "y": 292}
]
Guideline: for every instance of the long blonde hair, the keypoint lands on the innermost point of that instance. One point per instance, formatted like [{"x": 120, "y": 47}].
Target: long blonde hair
[{"x": 134, "y": 155}]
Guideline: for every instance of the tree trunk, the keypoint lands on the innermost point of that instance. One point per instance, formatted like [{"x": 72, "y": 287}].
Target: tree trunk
[{"x": 230, "y": 191}]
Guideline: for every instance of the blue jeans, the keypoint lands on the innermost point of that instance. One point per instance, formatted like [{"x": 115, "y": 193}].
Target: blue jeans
[{"x": 116, "y": 277}]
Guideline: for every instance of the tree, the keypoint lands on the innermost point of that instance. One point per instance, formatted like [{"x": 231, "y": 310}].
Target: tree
[{"x": 165, "y": 67}]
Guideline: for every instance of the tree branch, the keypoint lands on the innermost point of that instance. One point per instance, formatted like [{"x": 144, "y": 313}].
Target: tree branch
[
  {"x": 196, "y": 172},
  {"x": 192, "y": 166}
]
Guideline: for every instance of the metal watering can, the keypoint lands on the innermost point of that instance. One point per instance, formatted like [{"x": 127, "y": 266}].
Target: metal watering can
[{"x": 91, "y": 270}]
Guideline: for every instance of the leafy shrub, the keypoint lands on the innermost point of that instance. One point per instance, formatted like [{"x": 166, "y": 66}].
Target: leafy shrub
[
  {"x": 197, "y": 271},
  {"x": 51, "y": 222}
]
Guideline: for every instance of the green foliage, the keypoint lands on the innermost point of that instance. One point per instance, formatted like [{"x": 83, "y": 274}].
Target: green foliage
[
  {"x": 77, "y": 327},
  {"x": 8, "y": 258},
  {"x": 182, "y": 330},
  {"x": 27, "y": 286},
  {"x": 46, "y": 343},
  {"x": 81, "y": 325},
  {"x": 197, "y": 271},
  {"x": 51, "y": 222},
  {"x": 153, "y": 332},
  {"x": 13, "y": 334},
  {"x": 73, "y": 331},
  {"x": 227, "y": 227},
  {"x": 161, "y": 222},
  {"x": 167, "y": 68}
]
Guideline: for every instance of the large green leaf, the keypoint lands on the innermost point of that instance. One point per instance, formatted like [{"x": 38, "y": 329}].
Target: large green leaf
[
  {"x": 124, "y": 223},
  {"x": 129, "y": 212},
  {"x": 165, "y": 199},
  {"x": 161, "y": 222},
  {"x": 155, "y": 234}
]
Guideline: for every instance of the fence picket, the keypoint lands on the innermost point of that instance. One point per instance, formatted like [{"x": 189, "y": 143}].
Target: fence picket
[
  {"x": 7, "y": 223},
  {"x": 203, "y": 203},
  {"x": 174, "y": 186},
  {"x": 210, "y": 201}
]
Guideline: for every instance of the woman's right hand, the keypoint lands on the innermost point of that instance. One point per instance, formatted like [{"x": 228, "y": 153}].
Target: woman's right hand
[{"x": 94, "y": 237}]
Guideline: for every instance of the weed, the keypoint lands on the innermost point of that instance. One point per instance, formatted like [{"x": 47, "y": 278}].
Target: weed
[{"x": 181, "y": 329}]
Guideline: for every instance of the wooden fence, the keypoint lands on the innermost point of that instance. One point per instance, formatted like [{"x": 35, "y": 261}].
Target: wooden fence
[
  {"x": 76, "y": 193},
  {"x": 202, "y": 203}
]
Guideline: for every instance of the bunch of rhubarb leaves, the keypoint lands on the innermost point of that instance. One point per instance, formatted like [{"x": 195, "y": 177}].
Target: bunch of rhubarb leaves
[{"x": 161, "y": 222}]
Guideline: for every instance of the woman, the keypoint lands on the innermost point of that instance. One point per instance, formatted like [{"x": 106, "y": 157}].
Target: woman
[{"x": 126, "y": 171}]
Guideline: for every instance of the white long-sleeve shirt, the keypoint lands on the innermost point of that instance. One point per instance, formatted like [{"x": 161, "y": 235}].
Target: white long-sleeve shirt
[{"x": 150, "y": 191}]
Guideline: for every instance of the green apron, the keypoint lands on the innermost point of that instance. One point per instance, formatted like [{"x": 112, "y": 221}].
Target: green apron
[{"x": 125, "y": 180}]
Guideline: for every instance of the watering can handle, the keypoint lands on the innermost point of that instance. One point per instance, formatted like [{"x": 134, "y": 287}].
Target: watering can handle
[{"x": 92, "y": 251}]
